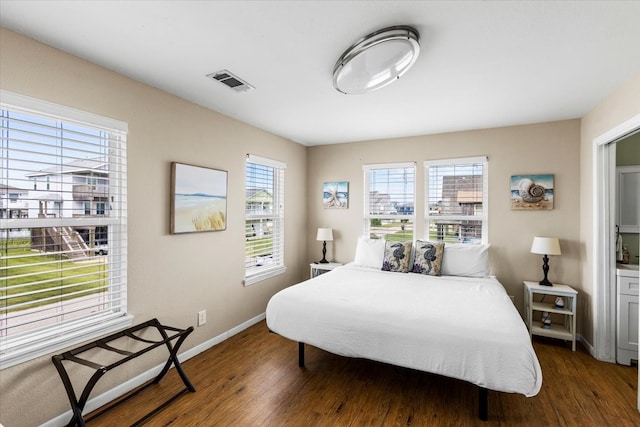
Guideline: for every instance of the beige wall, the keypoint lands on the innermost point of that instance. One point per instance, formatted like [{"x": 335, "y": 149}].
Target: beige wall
[
  {"x": 171, "y": 277},
  {"x": 546, "y": 148},
  {"x": 628, "y": 151}
]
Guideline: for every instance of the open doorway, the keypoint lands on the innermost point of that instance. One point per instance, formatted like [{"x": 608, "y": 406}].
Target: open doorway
[{"x": 604, "y": 162}]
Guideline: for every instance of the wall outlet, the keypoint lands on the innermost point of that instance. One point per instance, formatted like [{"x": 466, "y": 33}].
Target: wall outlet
[{"x": 202, "y": 317}]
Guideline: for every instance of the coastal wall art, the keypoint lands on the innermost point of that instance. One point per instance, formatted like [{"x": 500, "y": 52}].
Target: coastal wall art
[
  {"x": 532, "y": 192},
  {"x": 335, "y": 195},
  {"x": 198, "y": 199}
]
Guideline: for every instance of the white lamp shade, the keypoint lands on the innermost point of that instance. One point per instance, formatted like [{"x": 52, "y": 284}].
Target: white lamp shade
[
  {"x": 546, "y": 246},
  {"x": 325, "y": 234}
]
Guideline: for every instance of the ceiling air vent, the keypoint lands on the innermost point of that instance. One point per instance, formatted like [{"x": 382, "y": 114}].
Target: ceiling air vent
[{"x": 231, "y": 80}]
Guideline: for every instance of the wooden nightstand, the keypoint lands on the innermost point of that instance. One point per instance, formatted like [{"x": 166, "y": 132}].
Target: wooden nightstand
[
  {"x": 565, "y": 330},
  {"x": 318, "y": 269}
]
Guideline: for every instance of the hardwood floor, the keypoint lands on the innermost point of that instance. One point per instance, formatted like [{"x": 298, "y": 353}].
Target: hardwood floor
[{"x": 253, "y": 379}]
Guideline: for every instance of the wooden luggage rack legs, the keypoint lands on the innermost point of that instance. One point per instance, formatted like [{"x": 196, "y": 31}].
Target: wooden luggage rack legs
[{"x": 77, "y": 405}]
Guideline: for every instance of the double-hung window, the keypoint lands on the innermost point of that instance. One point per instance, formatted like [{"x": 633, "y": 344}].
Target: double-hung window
[
  {"x": 264, "y": 218},
  {"x": 389, "y": 201},
  {"x": 57, "y": 288},
  {"x": 456, "y": 200}
]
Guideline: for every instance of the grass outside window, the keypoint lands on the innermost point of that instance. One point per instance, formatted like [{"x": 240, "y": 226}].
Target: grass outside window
[{"x": 31, "y": 279}]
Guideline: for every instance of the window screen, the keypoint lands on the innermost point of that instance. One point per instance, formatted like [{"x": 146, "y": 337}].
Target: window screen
[
  {"x": 264, "y": 218},
  {"x": 456, "y": 200},
  {"x": 390, "y": 201}
]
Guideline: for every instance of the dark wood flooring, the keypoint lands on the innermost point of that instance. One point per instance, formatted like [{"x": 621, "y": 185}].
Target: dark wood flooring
[{"x": 253, "y": 379}]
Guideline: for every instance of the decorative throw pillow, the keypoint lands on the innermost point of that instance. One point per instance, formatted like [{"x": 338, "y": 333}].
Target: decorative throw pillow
[
  {"x": 396, "y": 256},
  {"x": 428, "y": 259}
]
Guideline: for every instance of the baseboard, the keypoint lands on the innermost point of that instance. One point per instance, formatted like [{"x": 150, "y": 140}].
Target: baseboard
[
  {"x": 124, "y": 388},
  {"x": 586, "y": 344}
]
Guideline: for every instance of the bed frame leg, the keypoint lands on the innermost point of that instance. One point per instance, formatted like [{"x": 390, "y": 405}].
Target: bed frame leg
[
  {"x": 301, "y": 354},
  {"x": 483, "y": 404}
]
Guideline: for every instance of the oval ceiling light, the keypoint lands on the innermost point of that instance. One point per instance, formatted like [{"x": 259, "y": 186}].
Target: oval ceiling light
[{"x": 377, "y": 60}]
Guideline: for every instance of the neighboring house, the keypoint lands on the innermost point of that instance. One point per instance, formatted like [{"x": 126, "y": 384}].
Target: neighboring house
[
  {"x": 258, "y": 200},
  {"x": 461, "y": 195},
  {"x": 77, "y": 189},
  {"x": 380, "y": 204},
  {"x": 14, "y": 204}
]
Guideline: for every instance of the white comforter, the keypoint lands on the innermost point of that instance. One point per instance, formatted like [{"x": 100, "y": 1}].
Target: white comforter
[{"x": 460, "y": 327}]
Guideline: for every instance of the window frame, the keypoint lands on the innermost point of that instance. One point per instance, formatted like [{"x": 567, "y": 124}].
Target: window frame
[
  {"x": 21, "y": 347},
  {"x": 484, "y": 215},
  {"x": 367, "y": 215},
  {"x": 255, "y": 274}
]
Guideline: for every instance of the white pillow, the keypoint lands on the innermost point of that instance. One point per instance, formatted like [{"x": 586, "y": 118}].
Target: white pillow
[
  {"x": 369, "y": 252},
  {"x": 465, "y": 260}
]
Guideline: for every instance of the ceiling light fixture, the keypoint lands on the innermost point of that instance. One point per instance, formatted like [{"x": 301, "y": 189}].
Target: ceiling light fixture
[{"x": 377, "y": 60}]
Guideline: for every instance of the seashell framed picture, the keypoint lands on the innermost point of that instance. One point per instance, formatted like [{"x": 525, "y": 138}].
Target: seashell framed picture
[{"x": 532, "y": 192}]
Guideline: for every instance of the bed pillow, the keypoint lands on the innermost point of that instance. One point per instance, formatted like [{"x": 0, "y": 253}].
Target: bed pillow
[
  {"x": 369, "y": 252},
  {"x": 465, "y": 260},
  {"x": 396, "y": 256},
  {"x": 428, "y": 257}
]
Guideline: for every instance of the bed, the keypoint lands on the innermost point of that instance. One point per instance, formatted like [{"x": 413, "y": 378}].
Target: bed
[{"x": 464, "y": 327}]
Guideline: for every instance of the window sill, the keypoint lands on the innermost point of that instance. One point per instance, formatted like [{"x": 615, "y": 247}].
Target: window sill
[
  {"x": 80, "y": 333},
  {"x": 263, "y": 275}
]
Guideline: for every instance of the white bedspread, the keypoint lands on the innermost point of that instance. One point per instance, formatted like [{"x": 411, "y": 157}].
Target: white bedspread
[{"x": 460, "y": 327}]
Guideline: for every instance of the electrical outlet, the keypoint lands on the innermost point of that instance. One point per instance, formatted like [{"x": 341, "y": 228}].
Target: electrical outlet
[{"x": 202, "y": 317}]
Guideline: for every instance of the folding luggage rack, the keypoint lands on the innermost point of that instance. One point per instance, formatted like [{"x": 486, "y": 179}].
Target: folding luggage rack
[{"x": 77, "y": 405}]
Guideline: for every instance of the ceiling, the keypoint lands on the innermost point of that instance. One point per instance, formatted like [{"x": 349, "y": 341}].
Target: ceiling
[{"x": 482, "y": 63}]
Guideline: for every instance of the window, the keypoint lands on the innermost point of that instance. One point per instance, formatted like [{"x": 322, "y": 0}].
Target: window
[
  {"x": 456, "y": 200},
  {"x": 264, "y": 219},
  {"x": 390, "y": 201},
  {"x": 55, "y": 289}
]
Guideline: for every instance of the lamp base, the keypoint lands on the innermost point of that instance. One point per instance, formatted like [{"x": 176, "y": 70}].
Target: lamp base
[
  {"x": 545, "y": 282},
  {"x": 545, "y": 269},
  {"x": 324, "y": 253}
]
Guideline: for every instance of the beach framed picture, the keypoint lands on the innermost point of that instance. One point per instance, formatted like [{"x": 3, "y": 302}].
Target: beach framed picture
[
  {"x": 532, "y": 192},
  {"x": 198, "y": 199},
  {"x": 335, "y": 195}
]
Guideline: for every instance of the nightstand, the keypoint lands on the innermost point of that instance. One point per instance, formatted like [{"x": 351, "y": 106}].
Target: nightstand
[
  {"x": 318, "y": 269},
  {"x": 546, "y": 303}
]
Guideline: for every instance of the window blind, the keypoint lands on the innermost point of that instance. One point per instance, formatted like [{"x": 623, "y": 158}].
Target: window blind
[
  {"x": 390, "y": 201},
  {"x": 456, "y": 200},
  {"x": 63, "y": 238},
  {"x": 264, "y": 218}
]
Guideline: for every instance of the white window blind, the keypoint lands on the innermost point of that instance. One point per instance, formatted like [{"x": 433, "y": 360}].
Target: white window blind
[
  {"x": 63, "y": 241},
  {"x": 389, "y": 201},
  {"x": 264, "y": 218},
  {"x": 456, "y": 200}
]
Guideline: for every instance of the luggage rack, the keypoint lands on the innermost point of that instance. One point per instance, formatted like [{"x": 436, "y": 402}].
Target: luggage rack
[{"x": 77, "y": 405}]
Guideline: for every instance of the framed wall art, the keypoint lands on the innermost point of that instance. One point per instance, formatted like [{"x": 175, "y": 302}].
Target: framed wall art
[
  {"x": 532, "y": 192},
  {"x": 198, "y": 199},
  {"x": 335, "y": 195}
]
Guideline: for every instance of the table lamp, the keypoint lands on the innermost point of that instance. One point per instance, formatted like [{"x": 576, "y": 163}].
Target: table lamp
[
  {"x": 324, "y": 235},
  {"x": 545, "y": 246}
]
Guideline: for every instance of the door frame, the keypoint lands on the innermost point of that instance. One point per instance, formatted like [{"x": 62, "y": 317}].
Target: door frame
[{"x": 604, "y": 301}]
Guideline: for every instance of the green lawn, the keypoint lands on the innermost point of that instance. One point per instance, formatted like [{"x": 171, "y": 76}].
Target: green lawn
[{"x": 26, "y": 276}]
